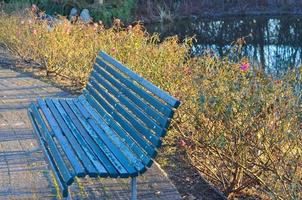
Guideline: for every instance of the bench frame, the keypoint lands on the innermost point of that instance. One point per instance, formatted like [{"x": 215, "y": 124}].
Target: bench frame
[{"x": 44, "y": 130}]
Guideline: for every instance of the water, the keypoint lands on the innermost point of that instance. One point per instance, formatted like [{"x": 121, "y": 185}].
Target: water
[{"x": 273, "y": 43}]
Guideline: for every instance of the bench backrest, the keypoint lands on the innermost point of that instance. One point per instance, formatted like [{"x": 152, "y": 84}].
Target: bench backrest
[{"x": 133, "y": 107}]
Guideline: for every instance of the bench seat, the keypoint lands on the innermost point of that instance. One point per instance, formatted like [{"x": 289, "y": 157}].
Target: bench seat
[
  {"x": 112, "y": 130},
  {"x": 92, "y": 148}
]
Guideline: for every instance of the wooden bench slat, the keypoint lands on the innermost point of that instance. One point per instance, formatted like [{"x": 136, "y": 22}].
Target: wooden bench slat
[
  {"x": 148, "y": 85},
  {"x": 93, "y": 144},
  {"x": 160, "y": 106},
  {"x": 62, "y": 186},
  {"x": 148, "y": 122},
  {"x": 82, "y": 141},
  {"x": 105, "y": 154},
  {"x": 114, "y": 143},
  {"x": 90, "y": 169},
  {"x": 118, "y": 109},
  {"x": 110, "y": 119},
  {"x": 114, "y": 150},
  {"x": 114, "y": 129},
  {"x": 112, "y": 105},
  {"x": 63, "y": 170},
  {"x": 160, "y": 119},
  {"x": 78, "y": 168},
  {"x": 112, "y": 172}
]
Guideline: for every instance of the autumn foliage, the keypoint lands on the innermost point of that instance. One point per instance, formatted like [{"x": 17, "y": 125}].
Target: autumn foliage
[{"x": 238, "y": 126}]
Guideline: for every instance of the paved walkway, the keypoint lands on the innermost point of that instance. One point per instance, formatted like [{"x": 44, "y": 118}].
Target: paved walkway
[{"x": 23, "y": 170}]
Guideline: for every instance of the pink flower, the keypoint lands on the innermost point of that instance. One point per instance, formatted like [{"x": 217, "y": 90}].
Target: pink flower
[
  {"x": 95, "y": 26},
  {"x": 34, "y": 8},
  {"x": 188, "y": 71},
  {"x": 68, "y": 31},
  {"x": 113, "y": 49},
  {"x": 22, "y": 22},
  {"x": 182, "y": 143},
  {"x": 278, "y": 82},
  {"x": 35, "y": 32},
  {"x": 129, "y": 28},
  {"x": 244, "y": 67}
]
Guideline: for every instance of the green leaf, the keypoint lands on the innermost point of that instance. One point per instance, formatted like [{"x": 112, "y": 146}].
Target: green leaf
[{"x": 221, "y": 141}]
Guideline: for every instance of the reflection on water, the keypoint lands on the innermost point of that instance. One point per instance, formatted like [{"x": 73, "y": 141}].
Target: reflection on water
[{"x": 272, "y": 43}]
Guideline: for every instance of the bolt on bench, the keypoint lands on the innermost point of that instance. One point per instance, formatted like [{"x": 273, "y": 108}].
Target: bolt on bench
[{"x": 112, "y": 130}]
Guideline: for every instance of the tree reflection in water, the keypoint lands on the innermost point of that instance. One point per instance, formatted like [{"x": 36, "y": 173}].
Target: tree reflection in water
[{"x": 273, "y": 43}]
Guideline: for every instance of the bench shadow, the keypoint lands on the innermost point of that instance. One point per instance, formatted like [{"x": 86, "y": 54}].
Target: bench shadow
[
  {"x": 23, "y": 170},
  {"x": 14, "y": 99},
  {"x": 151, "y": 186},
  {"x": 7, "y": 61}
]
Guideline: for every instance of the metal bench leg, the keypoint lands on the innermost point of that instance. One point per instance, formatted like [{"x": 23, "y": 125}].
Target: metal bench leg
[
  {"x": 69, "y": 195},
  {"x": 133, "y": 188}
]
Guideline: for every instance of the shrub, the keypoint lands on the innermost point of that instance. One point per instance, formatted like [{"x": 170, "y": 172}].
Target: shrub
[
  {"x": 238, "y": 126},
  {"x": 70, "y": 50},
  {"x": 246, "y": 129}
]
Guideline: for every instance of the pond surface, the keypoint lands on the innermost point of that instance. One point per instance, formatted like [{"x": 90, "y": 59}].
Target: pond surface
[{"x": 273, "y": 43}]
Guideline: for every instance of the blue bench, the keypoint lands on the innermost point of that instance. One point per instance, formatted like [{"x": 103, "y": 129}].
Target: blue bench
[{"x": 112, "y": 130}]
